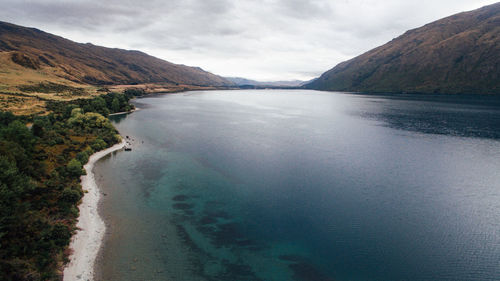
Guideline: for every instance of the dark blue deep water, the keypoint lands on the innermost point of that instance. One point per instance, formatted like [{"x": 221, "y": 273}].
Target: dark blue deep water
[{"x": 304, "y": 185}]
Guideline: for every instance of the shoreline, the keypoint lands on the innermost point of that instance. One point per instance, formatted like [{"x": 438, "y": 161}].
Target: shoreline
[
  {"x": 124, "y": 112},
  {"x": 87, "y": 240}
]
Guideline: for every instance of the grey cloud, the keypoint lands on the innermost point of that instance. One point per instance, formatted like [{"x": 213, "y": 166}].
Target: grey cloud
[
  {"x": 260, "y": 39},
  {"x": 75, "y": 14},
  {"x": 305, "y": 9}
]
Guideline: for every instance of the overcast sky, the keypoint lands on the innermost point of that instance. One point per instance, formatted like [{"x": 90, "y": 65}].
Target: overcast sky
[{"x": 257, "y": 39}]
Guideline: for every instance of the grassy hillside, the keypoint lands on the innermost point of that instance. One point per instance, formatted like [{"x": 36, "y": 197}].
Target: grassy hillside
[
  {"x": 36, "y": 66},
  {"x": 457, "y": 54},
  {"x": 95, "y": 65}
]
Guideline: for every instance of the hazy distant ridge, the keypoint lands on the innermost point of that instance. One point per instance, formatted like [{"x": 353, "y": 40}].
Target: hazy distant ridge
[
  {"x": 457, "y": 54},
  {"x": 248, "y": 82}
]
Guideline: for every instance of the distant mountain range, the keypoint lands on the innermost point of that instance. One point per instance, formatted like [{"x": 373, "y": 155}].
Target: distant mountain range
[
  {"x": 47, "y": 57},
  {"x": 457, "y": 54},
  {"x": 248, "y": 82}
]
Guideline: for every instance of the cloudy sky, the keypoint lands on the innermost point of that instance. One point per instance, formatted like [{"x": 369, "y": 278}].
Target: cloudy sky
[{"x": 258, "y": 39}]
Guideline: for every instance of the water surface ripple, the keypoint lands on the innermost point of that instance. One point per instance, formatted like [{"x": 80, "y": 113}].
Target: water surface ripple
[{"x": 304, "y": 185}]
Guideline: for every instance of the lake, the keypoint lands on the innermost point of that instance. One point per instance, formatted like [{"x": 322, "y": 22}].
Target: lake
[{"x": 304, "y": 185}]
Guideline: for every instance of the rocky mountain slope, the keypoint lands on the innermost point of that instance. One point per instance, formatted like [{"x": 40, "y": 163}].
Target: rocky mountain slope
[
  {"x": 457, "y": 54},
  {"x": 53, "y": 57}
]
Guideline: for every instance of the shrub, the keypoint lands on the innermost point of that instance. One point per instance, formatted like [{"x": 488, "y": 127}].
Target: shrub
[
  {"x": 70, "y": 195},
  {"x": 74, "y": 168},
  {"x": 83, "y": 157},
  {"x": 61, "y": 234},
  {"x": 99, "y": 144}
]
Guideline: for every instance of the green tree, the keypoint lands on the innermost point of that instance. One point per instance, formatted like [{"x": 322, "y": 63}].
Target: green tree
[
  {"x": 60, "y": 234},
  {"x": 115, "y": 105},
  {"x": 74, "y": 168},
  {"x": 38, "y": 128},
  {"x": 83, "y": 157},
  {"x": 39, "y": 189},
  {"x": 17, "y": 132},
  {"x": 70, "y": 195},
  {"x": 99, "y": 144},
  {"x": 6, "y": 117},
  {"x": 99, "y": 105}
]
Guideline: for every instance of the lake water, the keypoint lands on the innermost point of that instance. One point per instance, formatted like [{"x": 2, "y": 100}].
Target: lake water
[{"x": 304, "y": 185}]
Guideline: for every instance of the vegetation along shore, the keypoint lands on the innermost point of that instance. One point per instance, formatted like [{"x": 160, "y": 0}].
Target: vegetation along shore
[{"x": 41, "y": 162}]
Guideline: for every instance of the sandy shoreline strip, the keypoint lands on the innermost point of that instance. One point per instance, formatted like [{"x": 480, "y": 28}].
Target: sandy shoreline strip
[
  {"x": 124, "y": 112},
  {"x": 88, "y": 239}
]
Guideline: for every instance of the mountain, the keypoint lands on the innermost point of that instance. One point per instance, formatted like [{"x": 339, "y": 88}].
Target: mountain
[
  {"x": 248, "y": 82},
  {"x": 457, "y": 54},
  {"x": 52, "y": 57}
]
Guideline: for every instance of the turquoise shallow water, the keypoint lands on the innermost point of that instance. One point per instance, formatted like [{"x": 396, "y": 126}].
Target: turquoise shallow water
[{"x": 303, "y": 185}]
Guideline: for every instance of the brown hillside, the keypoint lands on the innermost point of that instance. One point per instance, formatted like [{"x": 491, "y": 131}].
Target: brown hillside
[
  {"x": 457, "y": 54},
  {"x": 58, "y": 58}
]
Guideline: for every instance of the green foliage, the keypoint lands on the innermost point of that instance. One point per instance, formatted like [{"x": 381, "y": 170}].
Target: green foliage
[
  {"x": 71, "y": 195},
  {"x": 104, "y": 105},
  {"x": 40, "y": 171},
  {"x": 14, "y": 186},
  {"x": 74, "y": 168},
  {"x": 134, "y": 92},
  {"x": 98, "y": 144},
  {"x": 99, "y": 105},
  {"x": 60, "y": 234},
  {"x": 115, "y": 105},
  {"x": 38, "y": 127},
  {"x": 6, "y": 118},
  {"x": 17, "y": 132},
  {"x": 49, "y": 87},
  {"x": 88, "y": 121},
  {"x": 83, "y": 157}
]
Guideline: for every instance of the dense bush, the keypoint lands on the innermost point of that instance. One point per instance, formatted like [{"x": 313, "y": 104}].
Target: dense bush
[
  {"x": 40, "y": 171},
  {"x": 75, "y": 168},
  {"x": 104, "y": 105},
  {"x": 134, "y": 92}
]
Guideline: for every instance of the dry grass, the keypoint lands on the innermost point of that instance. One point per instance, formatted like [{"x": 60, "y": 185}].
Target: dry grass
[
  {"x": 24, "y": 90},
  {"x": 86, "y": 63},
  {"x": 22, "y": 105},
  {"x": 13, "y": 75},
  {"x": 14, "y": 78},
  {"x": 46, "y": 67},
  {"x": 62, "y": 96},
  {"x": 159, "y": 88}
]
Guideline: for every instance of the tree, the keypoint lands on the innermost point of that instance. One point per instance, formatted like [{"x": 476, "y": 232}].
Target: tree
[
  {"x": 6, "y": 117},
  {"x": 38, "y": 128},
  {"x": 39, "y": 181},
  {"x": 99, "y": 105},
  {"x": 70, "y": 195},
  {"x": 83, "y": 157},
  {"x": 17, "y": 132},
  {"x": 99, "y": 144},
  {"x": 60, "y": 234},
  {"x": 74, "y": 168},
  {"x": 115, "y": 105}
]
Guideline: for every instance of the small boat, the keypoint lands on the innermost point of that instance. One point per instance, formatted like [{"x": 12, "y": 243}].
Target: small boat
[{"x": 128, "y": 148}]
